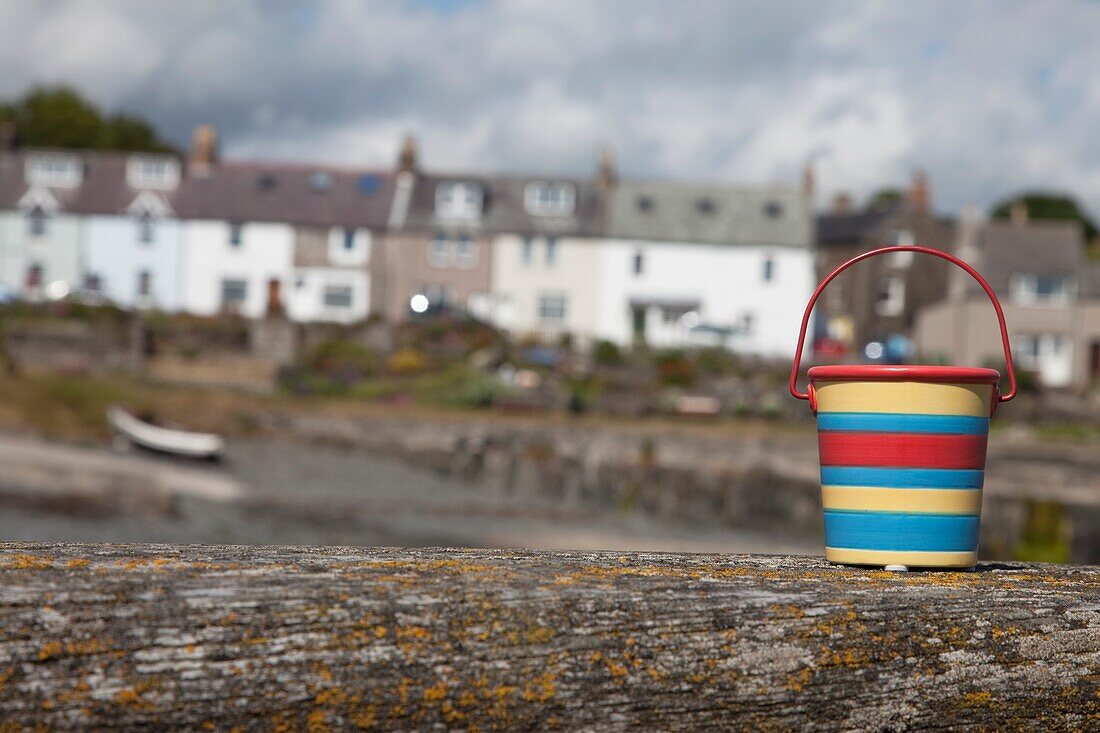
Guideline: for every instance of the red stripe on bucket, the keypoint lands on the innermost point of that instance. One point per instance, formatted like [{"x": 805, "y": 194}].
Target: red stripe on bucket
[{"x": 908, "y": 450}]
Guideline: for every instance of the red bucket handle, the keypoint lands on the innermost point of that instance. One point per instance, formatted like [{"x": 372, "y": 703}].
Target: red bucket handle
[{"x": 924, "y": 250}]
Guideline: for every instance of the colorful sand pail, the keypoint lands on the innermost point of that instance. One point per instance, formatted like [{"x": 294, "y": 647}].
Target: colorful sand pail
[{"x": 902, "y": 450}]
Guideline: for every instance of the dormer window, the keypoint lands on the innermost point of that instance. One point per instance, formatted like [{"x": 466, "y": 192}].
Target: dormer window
[
  {"x": 546, "y": 198},
  {"x": 53, "y": 170},
  {"x": 159, "y": 172},
  {"x": 461, "y": 200},
  {"x": 644, "y": 203}
]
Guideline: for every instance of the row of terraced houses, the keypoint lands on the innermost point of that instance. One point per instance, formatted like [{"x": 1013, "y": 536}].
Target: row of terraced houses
[
  {"x": 598, "y": 258},
  {"x": 664, "y": 263}
]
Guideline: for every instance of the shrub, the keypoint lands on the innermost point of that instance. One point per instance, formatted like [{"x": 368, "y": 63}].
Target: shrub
[{"x": 406, "y": 361}]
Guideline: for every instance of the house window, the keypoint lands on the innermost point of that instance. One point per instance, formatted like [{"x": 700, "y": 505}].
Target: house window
[
  {"x": 552, "y": 310},
  {"x": 458, "y": 199},
  {"x": 901, "y": 238},
  {"x": 1033, "y": 289},
  {"x": 152, "y": 171},
  {"x": 644, "y": 203},
  {"x": 337, "y": 296},
  {"x": 93, "y": 283},
  {"x": 704, "y": 207},
  {"x": 145, "y": 227},
  {"x": 235, "y": 235},
  {"x": 36, "y": 222},
  {"x": 769, "y": 269},
  {"x": 145, "y": 283},
  {"x": 551, "y": 250},
  {"x": 1032, "y": 349},
  {"x": 439, "y": 251},
  {"x": 639, "y": 262},
  {"x": 465, "y": 253},
  {"x": 320, "y": 181},
  {"x": 53, "y": 171},
  {"x": 527, "y": 251},
  {"x": 349, "y": 240},
  {"x": 234, "y": 294},
  {"x": 437, "y": 295},
  {"x": 546, "y": 198},
  {"x": 890, "y": 296},
  {"x": 773, "y": 209}
]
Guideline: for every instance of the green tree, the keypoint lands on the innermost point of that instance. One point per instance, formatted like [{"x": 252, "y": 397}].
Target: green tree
[
  {"x": 59, "y": 117},
  {"x": 885, "y": 198},
  {"x": 1048, "y": 207}
]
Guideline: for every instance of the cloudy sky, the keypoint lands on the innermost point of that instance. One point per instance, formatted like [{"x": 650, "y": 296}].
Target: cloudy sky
[{"x": 988, "y": 97}]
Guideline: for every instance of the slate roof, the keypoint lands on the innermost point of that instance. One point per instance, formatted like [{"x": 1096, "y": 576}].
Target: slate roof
[
  {"x": 1037, "y": 247},
  {"x": 296, "y": 194},
  {"x": 503, "y": 208},
  {"x": 228, "y": 191},
  {"x": 103, "y": 189},
  {"x": 838, "y": 229},
  {"x": 710, "y": 214}
]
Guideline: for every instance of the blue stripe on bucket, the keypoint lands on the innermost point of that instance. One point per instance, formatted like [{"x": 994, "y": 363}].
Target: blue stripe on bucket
[
  {"x": 889, "y": 531},
  {"x": 894, "y": 422},
  {"x": 902, "y": 478}
]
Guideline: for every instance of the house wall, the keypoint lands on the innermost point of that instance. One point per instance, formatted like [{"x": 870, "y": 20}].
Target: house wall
[
  {"x": 305, "y": 301},
  {"x": 519, "y": 283},
  {"x": 266, "y": 253},
  {"x": 727, "y": 281},
  {"x": 966, "y": 333},
  {"x": 57, "y": 250},
  {"x": 112, "y": 250},
  {"x": 408, "y": 271}
]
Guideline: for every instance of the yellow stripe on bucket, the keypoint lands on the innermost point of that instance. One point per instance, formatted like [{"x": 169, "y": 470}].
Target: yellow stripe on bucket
[
  {"x": 913, "y": 558},
  {"x": 918, "y": 398},
  {"x": 911, "y": 501}
]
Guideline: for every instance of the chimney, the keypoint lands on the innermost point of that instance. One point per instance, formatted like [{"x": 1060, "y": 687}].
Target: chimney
[
  {"x": 1017, "y": 213},
  {"x": 204, "y": 148},
  {"x": 920, "y": 194},
  {"x": 407, "y": 157},
  {"x": 842, "y": 204},
  {"x": 605, "y": 169},
  {"x": 808, "y": 184},
  {"x": 8, "y": 137}
]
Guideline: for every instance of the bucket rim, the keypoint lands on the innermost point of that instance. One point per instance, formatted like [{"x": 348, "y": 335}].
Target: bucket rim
[{"x": 903, "y": 373}]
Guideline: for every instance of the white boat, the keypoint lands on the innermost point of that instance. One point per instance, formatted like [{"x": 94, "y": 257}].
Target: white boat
[{"x": 165, "y": 440}]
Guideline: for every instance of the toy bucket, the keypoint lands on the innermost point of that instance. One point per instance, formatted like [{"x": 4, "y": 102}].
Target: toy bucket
[{"x": 903, "y": 449}]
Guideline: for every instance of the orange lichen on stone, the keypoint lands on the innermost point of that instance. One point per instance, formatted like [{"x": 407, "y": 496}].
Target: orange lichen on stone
[
  {"x": 977, "y": 699},
  {"x": 436, "y": 692},
  {"x": 50, "y": 650},
  {"x": 78, "y": 562},
  {"x": 23, "y": 561},
  {"x": 540, "y": 689}
]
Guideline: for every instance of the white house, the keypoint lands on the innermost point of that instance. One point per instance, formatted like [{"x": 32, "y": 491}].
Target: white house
[
  {"x": 40, "y": 226},
  {"x": 296, "y": 239},
  {"x": 132, "y": 250},
  {"x": 675, "y": 265}
]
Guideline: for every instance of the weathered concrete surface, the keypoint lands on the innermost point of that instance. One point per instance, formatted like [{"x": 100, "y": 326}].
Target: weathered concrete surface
[{"x": 336, "y": 638}]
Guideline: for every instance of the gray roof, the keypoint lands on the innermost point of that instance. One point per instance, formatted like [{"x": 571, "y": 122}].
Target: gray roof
[
  {"x": 228, "y": 191},
  {"x": 711, "y": 214},
  {"x": 849, "y": 228},
  {"x": 503, "y": 207},
  {"x": 1039, "y": 247},
  {"x": 103, "y": 188},
  {"x": 297, "y": 194}
]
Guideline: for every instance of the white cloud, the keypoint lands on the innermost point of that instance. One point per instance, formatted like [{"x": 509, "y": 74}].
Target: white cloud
[{"x": 988, "y": 97}]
